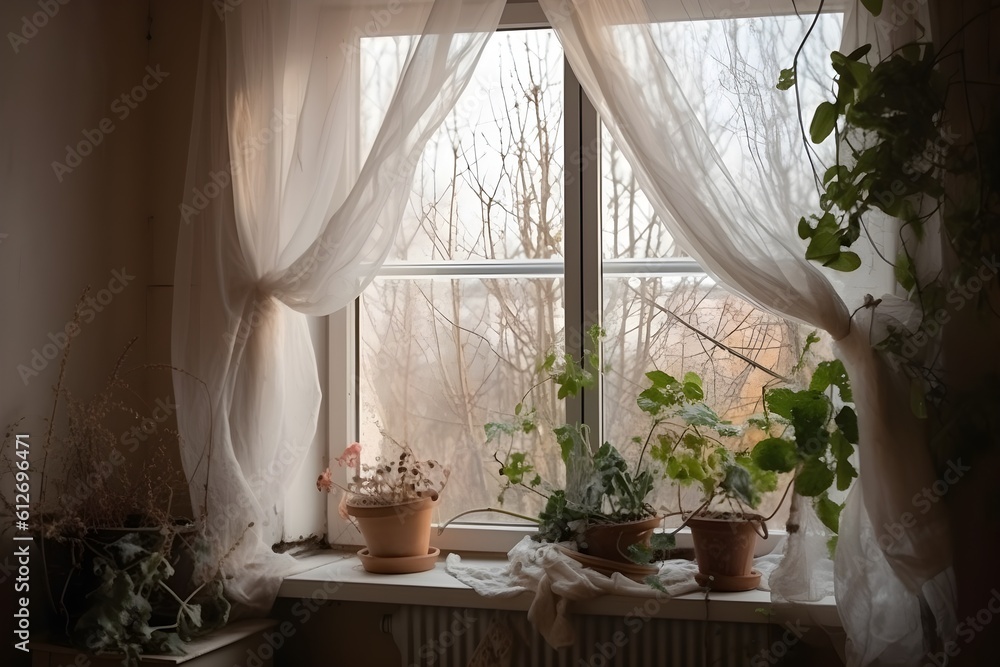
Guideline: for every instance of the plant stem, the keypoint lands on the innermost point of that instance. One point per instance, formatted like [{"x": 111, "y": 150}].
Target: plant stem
[
  {"x": 715, "y": 342},
  {"x": 638, "y": 463}
]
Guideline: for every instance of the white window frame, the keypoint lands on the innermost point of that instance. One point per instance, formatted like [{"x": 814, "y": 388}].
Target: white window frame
[{"x": 582, "y": 289}]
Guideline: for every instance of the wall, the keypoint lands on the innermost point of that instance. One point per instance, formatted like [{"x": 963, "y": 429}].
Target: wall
[{"x": 95, "y": 217}]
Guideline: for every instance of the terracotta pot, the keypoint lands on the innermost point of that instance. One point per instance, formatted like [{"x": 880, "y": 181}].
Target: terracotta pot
[
  {"x": 611, "y": 541},
  {"x": 723, "y": 548},
  {"x": 395, "y": 531}
]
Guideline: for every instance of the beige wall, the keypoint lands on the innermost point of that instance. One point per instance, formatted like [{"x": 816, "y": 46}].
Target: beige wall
[
  {"x": 62, "y": 236},
  {"x": 107, "y": 214},
  {"x": 112, "y": 211},
  {"x": 117, "y": 209}
]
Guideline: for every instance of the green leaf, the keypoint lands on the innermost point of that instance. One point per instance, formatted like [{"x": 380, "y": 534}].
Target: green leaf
[
  {"x": 662, "y": 541},
  {"x": 738, "y": 484},
  {"x": 842, "y": 451},
  {"x": 874, "y": 7},
  {"x": 805, "y": 230},
  {"x": 639, "y": 553},
  {"x": 692, "y": 387},
  {"x": 780, "y": 401},
  {"x": 860, "y": 52},
  {"x": 844, "y": 261},
  {"x": 693, "y": 392},
  {"x": 693, "y": 467},
  {"x": 496, "y": 429},
  {"x": 903, "y": 271},
  {"x": 763, "y": 481},
  {"x": 824, "y": 244},
  {"x": 847, "y": 422},
  {"x": 829, "y": 373},
  {"x": 786, "y": 79},
  {"x": 653, "y": 400},
  {"x": 516, "y": 468},
  {"x": 823, "y": 122},
  {"x": 828, "y": 512},
  {"x": 570, "y": 440},
  {"x": 776, "y": 454},
  {"x": 548, "y": 363},
  {"x": 661, "y": 379},
  {"x": 807, "y": 410},
  {"x": 814, "y": 478},
  {"x": 700, "y": 414},
  {"x": 573, "y": 379}
]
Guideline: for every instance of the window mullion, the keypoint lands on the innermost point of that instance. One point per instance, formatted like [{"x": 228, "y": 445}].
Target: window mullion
[{"x": 582, "y": 238}]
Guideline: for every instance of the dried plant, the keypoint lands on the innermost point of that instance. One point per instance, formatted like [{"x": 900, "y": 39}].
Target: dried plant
[
  {"x": 123, "y": 573},
  {"x": 388, "y": 482}
]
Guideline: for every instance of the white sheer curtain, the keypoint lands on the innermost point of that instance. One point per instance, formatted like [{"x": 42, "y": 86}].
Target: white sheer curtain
[
  {"x": 287, "y": 215},
  {"x": 743, "y": 233}
]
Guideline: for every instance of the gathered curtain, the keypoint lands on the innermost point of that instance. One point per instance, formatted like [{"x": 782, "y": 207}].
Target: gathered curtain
[
  {"x": 892, "y": 563},
  {"x": 287, "y": 213}
]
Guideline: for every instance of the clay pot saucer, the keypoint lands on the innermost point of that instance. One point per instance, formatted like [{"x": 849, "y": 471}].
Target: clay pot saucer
[{"x": 399, "y": 564}]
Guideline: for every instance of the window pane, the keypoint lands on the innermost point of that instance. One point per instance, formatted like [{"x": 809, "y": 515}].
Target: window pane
[
  {"x": 630, "y": 229},
  {"x": 489, "y": 184},
  {"x": 641, "y": 337},
  {"x": 441, "y": 358},
  {"x": 443, "y": 352},
  {"x": 729, "y": 69}
]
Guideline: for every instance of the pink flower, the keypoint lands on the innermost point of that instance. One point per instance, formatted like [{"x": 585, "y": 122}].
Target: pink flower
[
  {"x": 351, "y": 456},
  {"x": 324, "y": 482}
]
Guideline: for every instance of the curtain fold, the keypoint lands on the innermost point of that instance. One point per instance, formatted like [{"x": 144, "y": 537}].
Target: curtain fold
[
  {"x": 288, "y": 215},
  {"x": 892, "y": 557}
]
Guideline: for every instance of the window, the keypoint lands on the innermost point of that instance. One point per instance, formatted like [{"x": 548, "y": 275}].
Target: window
[{"x": 525, "y": 225}]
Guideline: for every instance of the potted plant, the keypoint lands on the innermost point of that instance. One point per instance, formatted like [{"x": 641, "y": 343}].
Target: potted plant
[
  {"x": 812, "y": 433},
  {"x": 598, "y": 502},
  {"x": 809, "y": 432},
  {"x": 122, "y": 573},
  {"x": 695, "y": 447},
  {"x": 392, "y": 502}
]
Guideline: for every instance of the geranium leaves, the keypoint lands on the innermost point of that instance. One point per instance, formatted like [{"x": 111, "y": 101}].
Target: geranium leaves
[
  {"x": 817, "y": 440},
  {"x": 666, "y": 392},
  {"x": 775, "y": 454},
  {"x": 814, "y": 477},
  {"x": 832, "y": 373}
]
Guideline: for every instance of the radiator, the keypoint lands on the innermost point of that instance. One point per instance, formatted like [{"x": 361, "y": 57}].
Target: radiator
[{"x": 449, "y": 637}]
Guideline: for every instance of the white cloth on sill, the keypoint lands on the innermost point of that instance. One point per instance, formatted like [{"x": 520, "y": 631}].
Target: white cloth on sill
[{"x": 556, "y": 580}]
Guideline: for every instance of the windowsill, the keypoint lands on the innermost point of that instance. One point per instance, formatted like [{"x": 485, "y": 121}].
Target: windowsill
[{"x": 337, "y": 575}]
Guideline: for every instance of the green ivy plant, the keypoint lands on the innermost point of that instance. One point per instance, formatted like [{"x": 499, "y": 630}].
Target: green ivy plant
[
  {"x": 896, "y": 155},
  {"x": 884, "y": 119}
]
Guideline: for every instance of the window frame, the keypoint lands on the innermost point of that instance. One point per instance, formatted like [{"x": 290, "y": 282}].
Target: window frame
[{"x": 583, "y": 233}]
